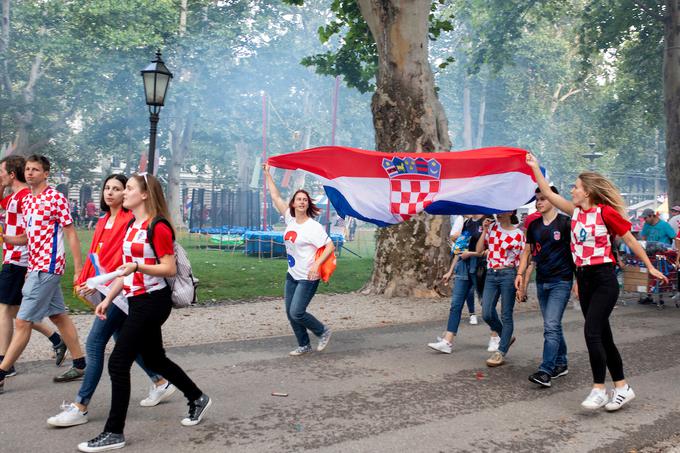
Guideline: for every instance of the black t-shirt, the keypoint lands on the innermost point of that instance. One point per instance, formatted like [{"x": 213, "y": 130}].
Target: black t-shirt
[
  {"x": 551, "y": 250},
  {"x": 473, "y": 229}
]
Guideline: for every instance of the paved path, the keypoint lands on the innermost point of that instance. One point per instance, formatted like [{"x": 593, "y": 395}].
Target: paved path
[{"x": 381, "y": 390}]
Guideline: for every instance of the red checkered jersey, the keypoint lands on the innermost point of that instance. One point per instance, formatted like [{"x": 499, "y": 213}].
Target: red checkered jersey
[
  {"x": 591, "y": 231},
  {"x": 45, "y": 216},
  {"x": 136, "y": 249},
  {"x": 505, "y": 246},
  {"x": 14, "y": 226}
]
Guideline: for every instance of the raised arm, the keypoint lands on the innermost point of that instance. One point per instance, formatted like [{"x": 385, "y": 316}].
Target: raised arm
[
  {"x": 556, "y": 200},
  {"x": 481, "y": 242},
  {"x": 279, "y": 203}
]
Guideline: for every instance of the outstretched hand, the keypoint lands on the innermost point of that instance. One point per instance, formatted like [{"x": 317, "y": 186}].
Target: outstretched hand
[
  {"x": 656, "y": 273},
  {"x": 532, "y": 161}
]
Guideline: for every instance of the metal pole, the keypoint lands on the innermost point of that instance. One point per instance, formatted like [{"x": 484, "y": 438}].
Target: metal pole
[
  {"x": 153, "y": 119},
  {"x": 333, "y": 127},
  {"x": 264, "y": 159}
]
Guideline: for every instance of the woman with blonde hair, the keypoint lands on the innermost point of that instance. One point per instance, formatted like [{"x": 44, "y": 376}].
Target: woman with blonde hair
[
  {"x": 148, "y": 258},
  {"x": 597, "y": 213}
]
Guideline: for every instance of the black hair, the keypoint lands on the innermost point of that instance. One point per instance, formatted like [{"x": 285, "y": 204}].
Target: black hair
[
  {"x": 553, "y": 188},
  {"x": 118, "y": 177}
]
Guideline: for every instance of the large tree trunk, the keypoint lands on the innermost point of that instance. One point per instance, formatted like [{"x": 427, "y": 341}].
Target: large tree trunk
[
  {"x": 180, "y": 142},
  {"x": 671, "y": 84},
  {"x": 467, "y": 114},
  {"x": 410, "y": 257},
  {"x": 481, "y": 118}
]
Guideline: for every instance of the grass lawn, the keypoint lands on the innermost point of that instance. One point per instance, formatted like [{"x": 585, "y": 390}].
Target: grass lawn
[{"x": 232, "y": 275}]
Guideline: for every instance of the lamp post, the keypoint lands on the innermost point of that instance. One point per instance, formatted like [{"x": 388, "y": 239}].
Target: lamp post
[
  {"x": 592, "y": 156},
  {"x": 156, "y": 78}
]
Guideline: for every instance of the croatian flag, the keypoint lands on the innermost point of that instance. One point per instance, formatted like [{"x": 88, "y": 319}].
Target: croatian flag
[{"x": 388, "y": 188}]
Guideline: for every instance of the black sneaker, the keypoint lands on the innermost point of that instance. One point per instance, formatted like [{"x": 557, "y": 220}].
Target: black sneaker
[
  {"x": 541, "y": 378},
  {"x": 12, "y": 372},
  {"x": 197, "y": 409},
  {"x": 60, "y": 352},
  {"x": 104, "y": 441},
  {"x": 559, "y": 371}
]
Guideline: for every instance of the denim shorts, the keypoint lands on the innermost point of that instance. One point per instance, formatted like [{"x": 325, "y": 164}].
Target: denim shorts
[{"x": 42, "y": 297}]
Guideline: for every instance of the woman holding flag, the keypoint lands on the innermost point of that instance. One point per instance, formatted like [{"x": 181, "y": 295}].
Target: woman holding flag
[
  {"x": 304, "y": 236},
  {"x": 505, "y": 243},
  {"x": 105, "y": 254},
  {"x": 598, "y": 214}
]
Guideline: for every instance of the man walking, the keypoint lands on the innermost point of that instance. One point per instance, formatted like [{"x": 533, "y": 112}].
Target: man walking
[
  {"x": 15, "y": 260},
  {"x": 46, "y": 218},
  {"x": 548, "y": 243}
]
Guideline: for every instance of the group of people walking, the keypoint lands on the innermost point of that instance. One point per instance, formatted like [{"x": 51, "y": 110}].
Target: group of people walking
[
  {"x": 566, "y": 240},
  {"x": 135, "y": 237}
]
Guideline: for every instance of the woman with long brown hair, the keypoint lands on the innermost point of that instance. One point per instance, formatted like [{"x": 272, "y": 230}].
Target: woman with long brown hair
[
  {"x": 597, "y": 213},
  {"x": 148, "y": 258},
  {"x": 303, "y": 237}
]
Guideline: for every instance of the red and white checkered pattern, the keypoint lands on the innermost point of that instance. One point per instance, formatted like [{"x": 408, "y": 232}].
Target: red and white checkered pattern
[
  {"x": 505, "y": 247},
  {"x": 14, "y": 226},
  {"x": 136, "y": 249},
  {"x": 45, "y": 216},
  {"x": 409, "y": 197},
  {"x": 590, "y": 238}
]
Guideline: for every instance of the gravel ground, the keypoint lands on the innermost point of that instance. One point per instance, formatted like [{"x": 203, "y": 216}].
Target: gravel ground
[{"x": 241, "y": 320}]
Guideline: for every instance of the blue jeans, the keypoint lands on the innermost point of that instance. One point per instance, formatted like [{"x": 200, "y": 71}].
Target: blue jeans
[
  {"x": 553, "y": 298},
  {"x": 463, "y": 291},
  {"x": 101, "y": 332},
  {"x": 298, "y": 294},
  {"x": 500, "y": 283}
]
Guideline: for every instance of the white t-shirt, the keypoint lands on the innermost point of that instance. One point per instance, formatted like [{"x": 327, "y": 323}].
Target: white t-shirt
[
  {"x": 302, "y": 241},
  {"x": 457, "y": 224}
]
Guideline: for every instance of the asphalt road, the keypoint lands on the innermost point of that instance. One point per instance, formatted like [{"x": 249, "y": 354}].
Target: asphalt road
[{"x": 380, "y": 390}]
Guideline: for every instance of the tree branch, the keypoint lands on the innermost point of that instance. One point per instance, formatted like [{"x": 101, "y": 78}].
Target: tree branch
[
  {"x": 650, "y": 11},
  {"x": 32, "y": 79}
]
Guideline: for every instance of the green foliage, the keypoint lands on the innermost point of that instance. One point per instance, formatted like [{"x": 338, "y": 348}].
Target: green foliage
[{"x": 355, "y": 55}]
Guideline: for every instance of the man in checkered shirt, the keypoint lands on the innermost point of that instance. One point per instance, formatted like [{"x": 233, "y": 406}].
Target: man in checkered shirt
[
  {"x": 15, "y": 259},
  {"x": 47, "y": 218}
]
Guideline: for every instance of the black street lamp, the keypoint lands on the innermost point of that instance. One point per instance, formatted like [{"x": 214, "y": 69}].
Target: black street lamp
[{"x": 156, "y": 78}]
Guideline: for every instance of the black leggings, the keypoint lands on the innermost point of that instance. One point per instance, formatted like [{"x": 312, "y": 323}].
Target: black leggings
[
  {"x": 598, "y": 291},
  {"x": 141, "y": 334}
]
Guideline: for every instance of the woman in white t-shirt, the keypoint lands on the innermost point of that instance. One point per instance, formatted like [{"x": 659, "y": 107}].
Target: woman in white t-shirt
[{"x": 303, "y": 237}]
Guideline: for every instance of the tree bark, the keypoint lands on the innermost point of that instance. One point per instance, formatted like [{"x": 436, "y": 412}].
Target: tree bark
[
  {"x": 410, "y": 257},
  {"x": 180, "y": 142},
  {"x": 467, "y": 115},
  {"x": 671, "y": 84},
  {"x": 481, "y": 118}
]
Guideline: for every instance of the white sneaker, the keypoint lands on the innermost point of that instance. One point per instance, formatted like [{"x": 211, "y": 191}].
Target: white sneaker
[
  {"x": 620, "y": 396},
  {"x": 158, "y": 394},
  {"x": 473, "y": 320},
  {"x": 494, "y": 343},
  {"x": 595, "y": 400},
  {"x": 442, "y": 346},
  {"x": 300, "y": 350},
  {"x": 70, "y": 415}
]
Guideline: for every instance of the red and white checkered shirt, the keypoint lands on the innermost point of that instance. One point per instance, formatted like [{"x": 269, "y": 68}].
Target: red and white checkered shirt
[
  {"x": 590, "y": 238},
  {"x": 136, "y": 249},
  {"x": 505, "y": 247},
  {"x": 14, "y": 226},
  {"x": 45, "y": 216}
]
